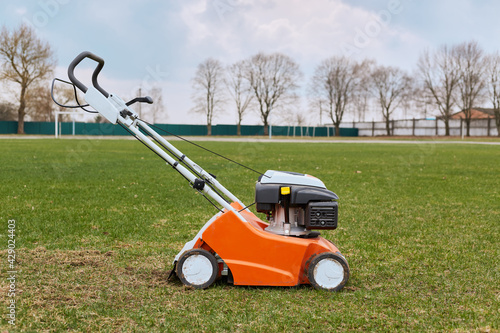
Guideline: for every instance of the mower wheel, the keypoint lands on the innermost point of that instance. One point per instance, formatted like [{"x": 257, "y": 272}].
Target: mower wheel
[
  {"x": 328, "y": 271},
  {"x": 197, "y": 268}
]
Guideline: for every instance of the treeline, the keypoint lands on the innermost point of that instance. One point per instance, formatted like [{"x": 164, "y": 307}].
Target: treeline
[{"x": 448, "y": 79}]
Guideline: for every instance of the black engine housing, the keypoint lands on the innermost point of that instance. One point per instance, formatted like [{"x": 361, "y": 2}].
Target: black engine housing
[{"x": 319, "y": 204}]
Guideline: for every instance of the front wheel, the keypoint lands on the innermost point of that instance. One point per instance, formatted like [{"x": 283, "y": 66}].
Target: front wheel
[
  {"x": 197, "y": 268},
  {"x": 328, "y": 271}
]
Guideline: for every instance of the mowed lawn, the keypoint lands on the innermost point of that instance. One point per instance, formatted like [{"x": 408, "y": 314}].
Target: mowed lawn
[{"x": 98, "y": 224}]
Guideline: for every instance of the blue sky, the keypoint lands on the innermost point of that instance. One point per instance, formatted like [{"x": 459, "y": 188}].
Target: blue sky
[{"x": 153, "y": 42}]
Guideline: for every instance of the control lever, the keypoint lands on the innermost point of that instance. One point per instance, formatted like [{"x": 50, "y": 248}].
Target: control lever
[{"x": 146, "y": 99}]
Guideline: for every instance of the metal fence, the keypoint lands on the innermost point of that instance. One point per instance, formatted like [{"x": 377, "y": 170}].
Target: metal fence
[
  {"x": 410, "y": 127},
  {"x": 78, "y": 128},
  {"x": 426, "y": 127}
]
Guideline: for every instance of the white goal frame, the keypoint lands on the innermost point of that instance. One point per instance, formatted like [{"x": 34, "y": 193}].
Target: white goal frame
[{"x": 56, "y": 121}]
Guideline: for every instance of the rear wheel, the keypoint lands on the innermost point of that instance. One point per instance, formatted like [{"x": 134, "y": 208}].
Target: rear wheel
[
  {"x": 328, "y": 271},
  {"x": 197, "y": 268}
]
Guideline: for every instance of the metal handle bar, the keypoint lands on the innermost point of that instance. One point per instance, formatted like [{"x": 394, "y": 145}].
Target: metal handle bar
[{"x": 76, "y": 82}]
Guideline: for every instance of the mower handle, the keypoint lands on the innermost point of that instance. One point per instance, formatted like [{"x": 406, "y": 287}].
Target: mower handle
[{"x": 97, "y": 70}]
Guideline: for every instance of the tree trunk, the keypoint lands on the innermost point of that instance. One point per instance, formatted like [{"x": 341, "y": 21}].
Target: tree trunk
[
  {"x": 337, "y": 129},
  {"x": 238, "y": 130},
  {"x": 467, "y": 124},
  {"x": 209, "y": 129},
  {"x": 388, "y": 126},
  {"x": 266, "y": 128},
  {"x": 446, "y": 126},
  {"x": 21, "y": 111},
  {"x": 497, "y": 121}
]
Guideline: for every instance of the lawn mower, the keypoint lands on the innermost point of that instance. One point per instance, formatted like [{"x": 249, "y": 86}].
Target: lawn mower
[{"x": 283, "y": 251}]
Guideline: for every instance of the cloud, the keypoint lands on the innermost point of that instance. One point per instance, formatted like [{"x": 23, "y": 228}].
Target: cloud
[
  {"x": 21, "y": 11},
  {"x": 308, "y": 31},
  {"x": 189, "y": 14}
]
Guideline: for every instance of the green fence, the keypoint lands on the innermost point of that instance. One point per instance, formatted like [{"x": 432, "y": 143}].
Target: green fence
[{"x": 69, "y": 128}]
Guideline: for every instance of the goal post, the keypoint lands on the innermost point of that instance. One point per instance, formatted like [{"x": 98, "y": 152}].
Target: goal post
[{"x": 57, "y": 125}]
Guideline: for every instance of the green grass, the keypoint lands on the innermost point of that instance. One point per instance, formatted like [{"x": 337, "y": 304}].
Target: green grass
[{"x": 98, "y": 224}]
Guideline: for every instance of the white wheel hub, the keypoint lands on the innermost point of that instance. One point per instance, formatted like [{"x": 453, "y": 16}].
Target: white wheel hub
[
  {"x": 197, "y": 269},
  {"x": 328, "y": 273}
]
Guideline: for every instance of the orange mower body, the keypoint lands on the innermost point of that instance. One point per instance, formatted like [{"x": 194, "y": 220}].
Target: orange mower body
[{"x": 258, "y": 258}]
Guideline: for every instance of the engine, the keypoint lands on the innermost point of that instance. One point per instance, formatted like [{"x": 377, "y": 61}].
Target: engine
[{"x": 295, "y": 203}]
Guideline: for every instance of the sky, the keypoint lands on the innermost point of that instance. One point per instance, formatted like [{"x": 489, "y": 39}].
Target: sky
[{"x": 160, "y": 43}]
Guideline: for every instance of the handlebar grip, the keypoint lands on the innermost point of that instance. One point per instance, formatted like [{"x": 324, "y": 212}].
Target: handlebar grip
[{"x": 76, "y": 82}]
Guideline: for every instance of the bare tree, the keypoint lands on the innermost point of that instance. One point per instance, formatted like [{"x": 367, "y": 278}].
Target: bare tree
[
  {"x": 273, "y": 79},
  {"x": 239, "y": 89},
  {"x": 493, "y": 72},
  {"x": 7, "y": 112},
  {"x": 316, "y": 104},
  {"x": 335, "y": 83},
  {"x": 423, "y": 100},
  {"x": 155, "y": 111},
  {"x": 471, "y": 83},
  {"x": 294, "y": 119},
  {"x": 390, "y": 86},
  {"x": 208, "y": 89},
  {"x": 361, "y": 102},
  {"x": 39, "y": 104},
  {"x": 25, "y": 59},
  {"x": 362, "y": 96},
  {"x": 416, "y": 104},
  {"x": 301, "y": 121},
  {"x": 439, "y": 75}
]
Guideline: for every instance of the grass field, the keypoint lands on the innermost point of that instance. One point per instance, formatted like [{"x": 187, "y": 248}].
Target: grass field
[{"x": 98, "y": 224}]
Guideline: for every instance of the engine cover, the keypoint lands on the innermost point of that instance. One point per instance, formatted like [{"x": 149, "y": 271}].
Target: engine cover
[
  {"x": 304, "y": 189},
  {"x": 295, "y": 203},
  {"x": 267, "y": 195}
]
